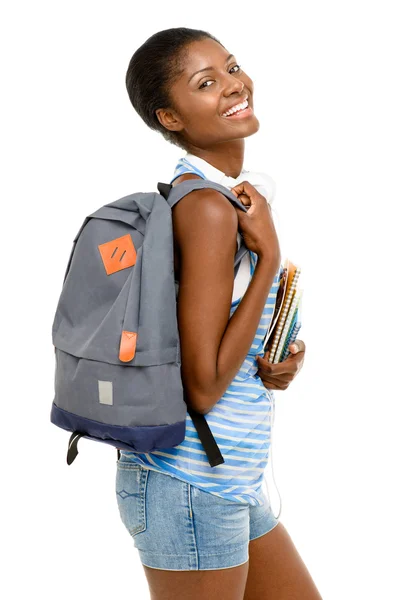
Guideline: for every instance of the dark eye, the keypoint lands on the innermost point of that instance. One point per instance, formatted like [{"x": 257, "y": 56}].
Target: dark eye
[{"x": 208, "y": 80}]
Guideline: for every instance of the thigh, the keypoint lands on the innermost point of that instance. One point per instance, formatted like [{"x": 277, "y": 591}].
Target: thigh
[
  {"x": 220, "y": 584},
  {"x": 276, "y": 570},
  {"x": 209, "y": 532}
]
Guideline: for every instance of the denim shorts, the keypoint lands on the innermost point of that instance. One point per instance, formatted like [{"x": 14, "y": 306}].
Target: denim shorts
[{"x": 178, "y": 527}]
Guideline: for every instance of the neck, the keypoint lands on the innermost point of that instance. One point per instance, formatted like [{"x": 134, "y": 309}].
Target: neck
[{"x": 227, "y": 156}]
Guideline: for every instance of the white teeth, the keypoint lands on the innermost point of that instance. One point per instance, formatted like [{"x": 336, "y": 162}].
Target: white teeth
[{"x": 236, "y": 108}]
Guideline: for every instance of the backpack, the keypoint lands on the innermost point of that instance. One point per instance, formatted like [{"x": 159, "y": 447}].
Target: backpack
[{"x": 115, "y": 330}]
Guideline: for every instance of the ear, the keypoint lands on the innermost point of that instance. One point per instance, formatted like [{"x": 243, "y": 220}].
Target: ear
[{"x": 169, "y": 119}]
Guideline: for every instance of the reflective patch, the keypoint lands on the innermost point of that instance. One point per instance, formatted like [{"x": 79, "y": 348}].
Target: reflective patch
[{"x": 105, "y": 392}]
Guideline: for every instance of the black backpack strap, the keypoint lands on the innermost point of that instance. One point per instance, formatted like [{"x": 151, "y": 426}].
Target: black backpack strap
[
  {"x": 207, "y": 439},
  {"x": 164, "y": 189},
  {"x": 73, "y": 446}
]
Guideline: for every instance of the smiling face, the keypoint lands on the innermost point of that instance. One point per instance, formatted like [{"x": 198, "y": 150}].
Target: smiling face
[{"x": 200, "y": 99}]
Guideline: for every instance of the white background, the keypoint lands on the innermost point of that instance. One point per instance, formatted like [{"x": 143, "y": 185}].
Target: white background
[{"x": 326, "y": 78}]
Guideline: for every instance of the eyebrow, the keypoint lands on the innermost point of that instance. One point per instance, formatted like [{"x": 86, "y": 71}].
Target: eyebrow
[{"x": 208, "y": 68}]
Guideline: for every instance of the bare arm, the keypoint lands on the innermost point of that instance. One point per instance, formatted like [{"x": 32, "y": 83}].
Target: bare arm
[{"x": 213, "y": 347}]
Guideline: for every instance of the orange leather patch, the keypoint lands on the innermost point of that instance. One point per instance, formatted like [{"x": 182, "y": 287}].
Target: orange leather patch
[
  {"x": 127, "y": 346},
  {"x": 118, "y": 254}
]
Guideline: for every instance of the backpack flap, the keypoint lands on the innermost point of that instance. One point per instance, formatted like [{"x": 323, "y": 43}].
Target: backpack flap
[
  {"x": 151, "y": 303},
  {"x": 96, "y": 306}
]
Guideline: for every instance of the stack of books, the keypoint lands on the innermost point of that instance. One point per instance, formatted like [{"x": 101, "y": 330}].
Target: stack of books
[{"x": 286, "y": 320}]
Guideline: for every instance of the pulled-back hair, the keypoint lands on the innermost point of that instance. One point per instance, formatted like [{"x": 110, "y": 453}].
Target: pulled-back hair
[{"x": 154, "y": 68}]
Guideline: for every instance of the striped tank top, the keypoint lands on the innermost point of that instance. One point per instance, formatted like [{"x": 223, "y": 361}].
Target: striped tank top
[{"x": 241, "y": 423}]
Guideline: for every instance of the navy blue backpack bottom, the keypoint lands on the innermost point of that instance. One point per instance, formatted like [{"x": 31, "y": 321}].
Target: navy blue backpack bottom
[{"x": 137, "y": 439}]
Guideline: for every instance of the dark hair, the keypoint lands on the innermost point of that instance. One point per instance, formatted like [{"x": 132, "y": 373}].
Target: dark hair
[{"x": 153, "y": 69}]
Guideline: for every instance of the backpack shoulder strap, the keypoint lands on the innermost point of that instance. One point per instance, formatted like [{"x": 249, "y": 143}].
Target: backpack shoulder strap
[{"x": 173, "y": 194}]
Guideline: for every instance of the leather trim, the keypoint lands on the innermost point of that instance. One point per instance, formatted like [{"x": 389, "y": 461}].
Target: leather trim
[{"x": 127, "y": 348}]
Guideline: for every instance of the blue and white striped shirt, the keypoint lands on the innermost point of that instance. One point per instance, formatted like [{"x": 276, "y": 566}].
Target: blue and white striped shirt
[{"x": 240, "y": 421}]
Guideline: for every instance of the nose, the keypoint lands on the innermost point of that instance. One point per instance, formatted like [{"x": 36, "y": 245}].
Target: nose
[{"x": 234, "y": 85}]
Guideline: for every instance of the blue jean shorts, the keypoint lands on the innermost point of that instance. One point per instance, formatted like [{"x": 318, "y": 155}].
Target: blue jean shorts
[{"x": 178, "y": 527}]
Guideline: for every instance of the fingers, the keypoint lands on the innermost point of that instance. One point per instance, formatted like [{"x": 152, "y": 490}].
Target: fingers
[
  {"x": 245, "y": 187},
  {"x": 244, "y": 199},
  {"x": 248, "y": 196},
  {"x": 288, "y": 366},
  {"x": 278, "y": 383},
  {"x": 297, "y": 346}
]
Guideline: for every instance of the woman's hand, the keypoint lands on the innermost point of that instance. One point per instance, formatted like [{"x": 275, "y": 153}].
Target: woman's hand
[
  {"x": 256, "y": 224},
  {"x": 278, "y": 376}
]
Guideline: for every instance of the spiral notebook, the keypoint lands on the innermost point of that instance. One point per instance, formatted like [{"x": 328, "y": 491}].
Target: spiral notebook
[{"x": 286, "y": 320}]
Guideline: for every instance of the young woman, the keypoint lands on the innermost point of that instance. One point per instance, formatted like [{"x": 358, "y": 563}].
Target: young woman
[{"x": 207, "y": 532}]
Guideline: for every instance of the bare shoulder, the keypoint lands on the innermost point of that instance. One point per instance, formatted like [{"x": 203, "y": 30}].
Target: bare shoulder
[{"x": 205, "y": 211}]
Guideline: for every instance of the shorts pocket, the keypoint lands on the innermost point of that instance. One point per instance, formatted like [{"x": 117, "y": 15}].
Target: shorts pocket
[{"x": 130, "y": 489}]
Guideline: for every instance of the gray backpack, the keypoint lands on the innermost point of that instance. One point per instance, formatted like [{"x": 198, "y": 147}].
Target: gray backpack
[{"x": 115, "y": 330}]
